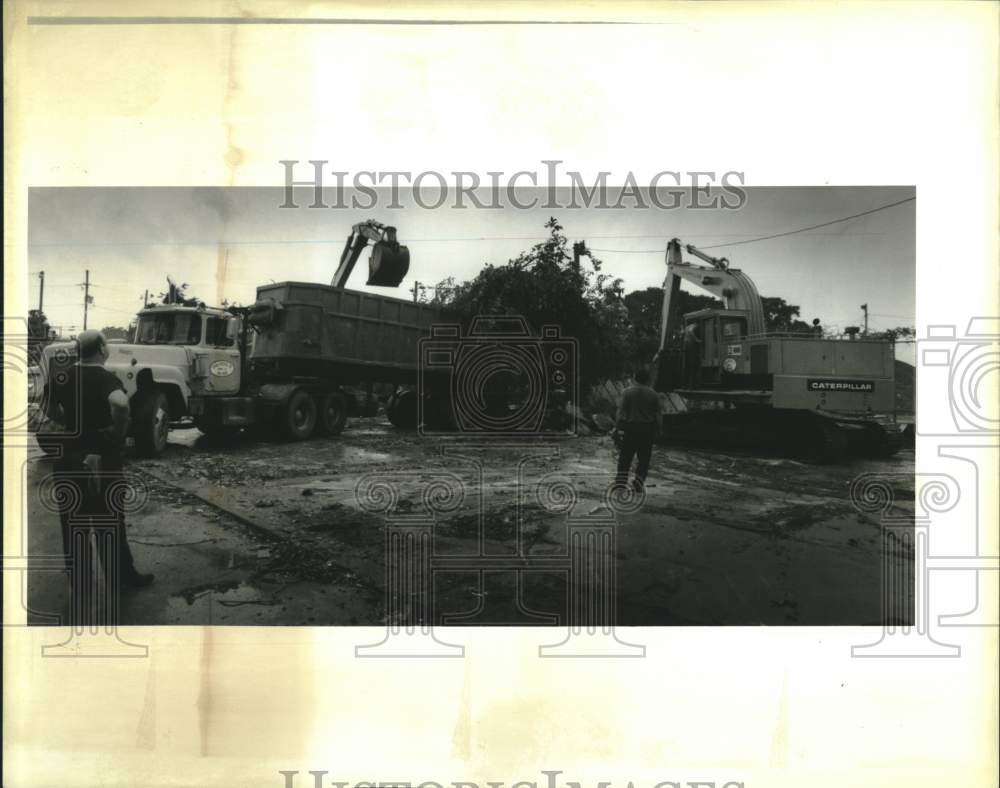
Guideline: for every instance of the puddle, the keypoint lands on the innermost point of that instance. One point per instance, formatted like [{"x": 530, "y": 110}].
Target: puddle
[
  {"x": 226, "y": 589},
  {"x": 367, "y": 455},
  {"x": 201, "y": 604}
]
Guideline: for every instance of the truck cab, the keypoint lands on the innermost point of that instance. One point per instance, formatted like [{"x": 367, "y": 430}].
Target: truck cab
[
  {"x": 178, "y": 351},
  {"x": 210, "y": 340}
]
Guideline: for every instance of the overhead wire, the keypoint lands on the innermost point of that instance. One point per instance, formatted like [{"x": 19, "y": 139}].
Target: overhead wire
[{"x": 773, "y": 235}]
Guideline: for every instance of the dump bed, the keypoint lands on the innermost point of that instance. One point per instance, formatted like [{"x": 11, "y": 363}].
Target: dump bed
[{"x": 315, "y": 330}]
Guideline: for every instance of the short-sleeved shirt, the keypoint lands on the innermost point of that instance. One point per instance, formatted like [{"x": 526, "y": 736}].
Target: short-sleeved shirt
[
  {"x": 83, "y": 397},
  {"x": 640, "y": 406}
]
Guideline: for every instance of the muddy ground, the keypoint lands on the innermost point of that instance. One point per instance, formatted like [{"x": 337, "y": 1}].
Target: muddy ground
[{"x": 259, "y": 532}]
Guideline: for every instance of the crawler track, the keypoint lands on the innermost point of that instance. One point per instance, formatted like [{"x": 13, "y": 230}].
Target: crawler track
[{"x": 802, "y": 435}]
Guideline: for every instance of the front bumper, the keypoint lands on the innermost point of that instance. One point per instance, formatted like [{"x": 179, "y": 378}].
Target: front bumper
[{"x": 227, "y": 411}]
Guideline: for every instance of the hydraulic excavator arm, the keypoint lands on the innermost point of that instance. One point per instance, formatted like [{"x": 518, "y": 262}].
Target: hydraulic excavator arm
[
  {"x": 389, "y": 260},
  {"x": 735, "y": 288}
]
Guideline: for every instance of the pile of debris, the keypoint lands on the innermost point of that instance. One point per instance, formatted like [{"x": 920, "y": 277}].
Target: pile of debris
[{"x": 600, "y": 407}]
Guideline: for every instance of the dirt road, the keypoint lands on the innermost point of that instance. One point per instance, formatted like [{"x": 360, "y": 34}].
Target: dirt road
[{"x": 257, "y": 532}]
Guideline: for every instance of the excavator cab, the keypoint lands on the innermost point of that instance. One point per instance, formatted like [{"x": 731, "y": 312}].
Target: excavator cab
[
  {"x": 389, "y": 260},
  {"x": 717, "y": 346}
]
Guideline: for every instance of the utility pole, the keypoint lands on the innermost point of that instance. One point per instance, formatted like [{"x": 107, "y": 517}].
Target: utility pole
[
  {"x": 864, "y": 307},
  {"x": 41, "y": 289},
  {"x": 578, "y": 248},
  {"x": 416, "y": 289},
  {"x": 86, "y": 297},
  {"x": 145, "y": 299}
]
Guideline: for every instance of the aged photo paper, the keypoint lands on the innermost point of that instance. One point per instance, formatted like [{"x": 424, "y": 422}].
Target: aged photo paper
[{"x": 517, "y": 395}]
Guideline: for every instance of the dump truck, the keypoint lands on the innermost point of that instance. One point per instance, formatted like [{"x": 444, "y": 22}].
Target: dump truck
[
  {"x": 739, "y": 382},
  {"x": 282, "y": 362},
  {"x": 302, "y": 344}
]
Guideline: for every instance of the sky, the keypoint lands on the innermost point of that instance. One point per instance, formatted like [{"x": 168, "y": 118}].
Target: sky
[{"x": 223, "y": 242}]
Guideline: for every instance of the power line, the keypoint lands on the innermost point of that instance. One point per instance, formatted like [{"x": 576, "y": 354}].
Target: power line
[
  {"x": 629, "y": 251},
  {"x": 765, "y": 237},
  {"x": 815, "y": 226}
]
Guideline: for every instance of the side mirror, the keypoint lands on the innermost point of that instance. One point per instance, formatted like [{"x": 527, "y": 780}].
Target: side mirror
[{"x": 233, "y": 329}]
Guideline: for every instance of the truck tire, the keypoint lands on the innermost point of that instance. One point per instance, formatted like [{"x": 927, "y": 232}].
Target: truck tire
[
  {"x": 150, "y": 422},
  {"x": 333, "y": 414},
  {"x": 402, "y": 410},
  {"x": 297, "y": 417}
]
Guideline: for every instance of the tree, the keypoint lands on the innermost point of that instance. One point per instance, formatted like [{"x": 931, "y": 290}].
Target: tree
[
  {"x": 781, "y": 316},
  {"x": 894, "y": 334},
  {"x": 115, "y": 332},
  {"x": 39, "y": 334},
  {"x": 545, "y": 287}
]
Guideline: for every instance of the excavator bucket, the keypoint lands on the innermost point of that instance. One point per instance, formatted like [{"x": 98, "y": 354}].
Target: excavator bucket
[{"x": 388, "y": 264}]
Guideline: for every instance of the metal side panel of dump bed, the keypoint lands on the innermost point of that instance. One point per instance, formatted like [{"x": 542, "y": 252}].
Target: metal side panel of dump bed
[{"x": 322, "y": 331}]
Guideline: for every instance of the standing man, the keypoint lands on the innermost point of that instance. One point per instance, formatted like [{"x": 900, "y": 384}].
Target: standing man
[
  {"x": 640, "y": 420},
  {"x": 692, "y": 355},
  {"x": 92, "y": 406}
]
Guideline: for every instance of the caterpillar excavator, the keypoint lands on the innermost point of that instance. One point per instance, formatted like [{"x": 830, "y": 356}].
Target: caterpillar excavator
[{"x": 735, "y": 382}]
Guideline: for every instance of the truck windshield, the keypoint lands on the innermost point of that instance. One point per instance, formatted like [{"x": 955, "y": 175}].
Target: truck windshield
[
  {"x": 171, "y": 328},
  {"x": 215, "y": 332}
]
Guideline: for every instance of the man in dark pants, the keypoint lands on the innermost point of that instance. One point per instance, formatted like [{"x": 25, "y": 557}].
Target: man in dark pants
[
  {"x": 92, "y": 405},
  {"x": 640, "y": 420}
]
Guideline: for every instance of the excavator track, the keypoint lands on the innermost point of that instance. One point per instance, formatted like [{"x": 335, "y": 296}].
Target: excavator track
[{"x": 802, "y": 435}]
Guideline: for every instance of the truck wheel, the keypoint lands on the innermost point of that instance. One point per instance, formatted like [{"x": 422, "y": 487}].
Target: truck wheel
[
  {"x": 150, "y": 423},
  {"x": 298, "y": 417},
  {"x": 402, "y": 410},
  {"x": 333, "y": 414}
]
